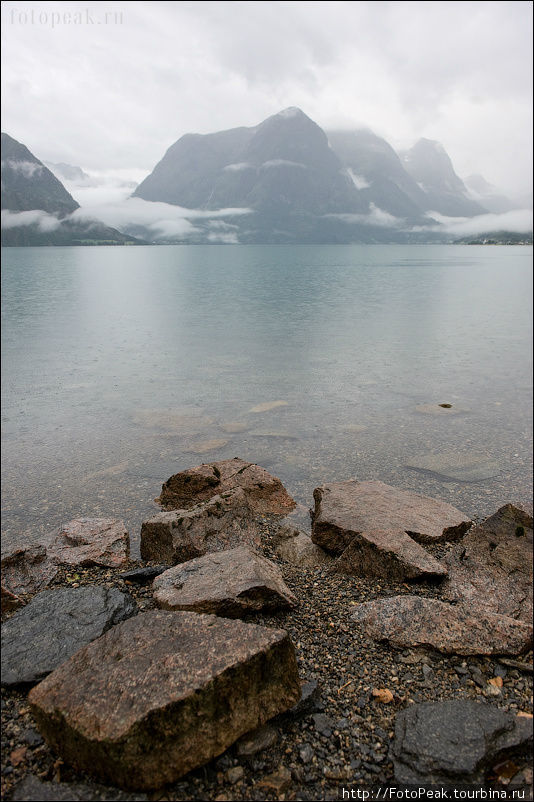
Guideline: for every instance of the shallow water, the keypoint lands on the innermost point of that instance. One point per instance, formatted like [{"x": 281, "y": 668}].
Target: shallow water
[{"x": 122, "y": 366}]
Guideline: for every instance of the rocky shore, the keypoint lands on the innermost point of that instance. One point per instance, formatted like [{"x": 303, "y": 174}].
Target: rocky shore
[{"x": 243, "y": 658}]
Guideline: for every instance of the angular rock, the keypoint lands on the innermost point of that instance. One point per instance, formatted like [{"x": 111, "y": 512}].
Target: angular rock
[
  {"x": 32, "y": 789},
  {"x": 163, "y": 693},
  {"x": 221, "y": 522},
  {"x": 27, "y": 569},
  {"x": 10, "y": 601},
  {"x": 455, "y": 741},
  {"x": 391, "y": 555},
  {"x": 265, "y": 493},
  {"x": 145, "y": 575},
  {"x": 54, "y": 625},
  {"x": 491, "y": 569},
  {"x": 256, "y": 741},
  {"x": 90, "y": 541},
  {"x": 299, "y": 550},
  {"x": 229, "y": 583},
  {"x": 416, "y": 621},
  {"x": 344, "y": 509}
]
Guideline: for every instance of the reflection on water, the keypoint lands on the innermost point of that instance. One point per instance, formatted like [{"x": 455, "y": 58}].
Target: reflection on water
[{"x": 124, "y": 365}]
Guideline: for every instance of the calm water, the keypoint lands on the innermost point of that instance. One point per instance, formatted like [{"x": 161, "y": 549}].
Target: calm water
[{"x": 122, "y": 366}]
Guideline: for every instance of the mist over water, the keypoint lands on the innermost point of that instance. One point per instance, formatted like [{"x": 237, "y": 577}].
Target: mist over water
[{"x": 122, "y": 366}]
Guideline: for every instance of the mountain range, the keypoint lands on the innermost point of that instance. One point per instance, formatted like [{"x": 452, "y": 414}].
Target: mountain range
[{"x": 284, "y": 180}]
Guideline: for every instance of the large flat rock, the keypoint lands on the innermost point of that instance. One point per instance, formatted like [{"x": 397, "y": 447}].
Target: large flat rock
[
  {"x": 344, "y": 509},
  {"x": 163, "y": 693},
  {"x": 265, "y": 493},
  {"x": 54, "y": 625},
  {"x": 221, "y": 522},
  {"x": 415, "y": 621},
  {"x": 455, "y": 741},
  {"x": 491, "y": 569},
  {"x": 392, "y": 555},
  {"x": 228, "y": 583}
]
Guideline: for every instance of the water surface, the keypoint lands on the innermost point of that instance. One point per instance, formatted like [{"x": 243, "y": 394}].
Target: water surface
[{"x": 122, "y": 366}]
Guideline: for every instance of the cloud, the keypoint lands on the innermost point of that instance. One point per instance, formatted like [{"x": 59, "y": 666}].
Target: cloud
[
  {"x": 26, "y": 168},
  {"x": 375, "y": 217},
  {"x": 518, "y": 220},
  {"x": 43, "y": 220}
]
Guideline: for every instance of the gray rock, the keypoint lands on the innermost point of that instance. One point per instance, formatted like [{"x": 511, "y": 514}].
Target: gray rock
[
  {"x": 454, "y": 741},
  {"x": 163, "y": 693},
  {"x": 32, "y": 789},
  {"x": 491, "y": 569},
  {"x": 323, "y": 724},
  {"x": 228, "y": 583},
  {"x": 416, "y": 621},
  {"x": 391, "y": 555},
  {"x": 456, "y": 467},
  {"x": 306, "y": 753},
  {"x": 344, "y": 509},
  {"x": 221, "y": 522},
  {"x": 143, "y": 576},
  {"x": 54, "y": 625}
]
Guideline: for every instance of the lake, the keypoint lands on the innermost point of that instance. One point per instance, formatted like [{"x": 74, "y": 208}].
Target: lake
[{"x": 124, "y": 365}]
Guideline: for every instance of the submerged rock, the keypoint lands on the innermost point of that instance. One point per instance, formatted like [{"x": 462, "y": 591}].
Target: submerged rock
[
  {"x": 416, "y": 621},
  {"x": 264, "y": 493},
  {"x": 163, "y": 693},
  {"x": 491, "y": 569},
  {"x": 455, "y": 741},
  {"x": 221, "y": 522},
  {"x": 54, "y": 625},
  {"x": 389, "y": 555},
  {"x": 344, "y": 509},
  {"x": 229, "y": 583},
  {"x": 455, "y": 466}
]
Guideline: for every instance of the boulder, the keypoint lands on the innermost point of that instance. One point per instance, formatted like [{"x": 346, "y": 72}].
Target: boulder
[
  {"x": 54, "y": 625},
  {"x": 90, "y": 541},
  {"x": 455, "y": 741},
  {"x": 229, "y": 583},
  {"x": 27, "y": 569},
  {"x": 416, "y": 621},
  {"x": 491, "y": 569},
  {"x": 265, "y": 493},
  {"x": 221, "y": 522},
  {"x": 344, "y": 509},
  {"x": 163, "y": 693},
  {"x": 391, "y": 555},
  {"x": 298, "y": 549}
]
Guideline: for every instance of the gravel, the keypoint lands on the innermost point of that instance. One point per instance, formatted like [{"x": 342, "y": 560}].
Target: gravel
[{"x": 339, "y": 737}]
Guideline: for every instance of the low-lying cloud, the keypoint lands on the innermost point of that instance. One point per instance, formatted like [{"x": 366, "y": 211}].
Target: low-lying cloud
[
  {"x": 518, "y": 221},
  {"x": 43, "y": 220}
]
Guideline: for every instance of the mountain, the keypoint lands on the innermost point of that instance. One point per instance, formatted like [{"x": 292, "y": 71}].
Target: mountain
[
  {"x": 69, "y": 172},
  {"x": 27, "y": 184},
  {"x": 378, "y": 173},
  {"x": 429, "y": 165},
  {"x": 37, "y": 209},
  {"x": 482, "y": 191}
]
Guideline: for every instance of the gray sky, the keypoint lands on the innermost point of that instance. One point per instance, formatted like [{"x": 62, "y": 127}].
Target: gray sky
[{"x": 109, "y": 86}]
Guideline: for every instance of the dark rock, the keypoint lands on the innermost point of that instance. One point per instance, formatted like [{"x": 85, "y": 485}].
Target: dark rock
[
  {"x": 221, "y": 522},
  {"x": 256, "y": 741},
  {"x": 344, "y": 509},
  {"x": 309, "y": 702},
  {"x": 454, "y": 741},
  {"x": 391, "y": 555},
  {"x": 31, "y": 737},
  {"x": 415, "y": 621},
  {"x": 143, "y": 576},
  {"x": 27, "y": 569},
  {"x": 323, "y": 724},
  {"x": 491, "y": 569},
  {"x": 264, "y": 493},
  {"x": 228, "y": 583},
  {"x": 31, "y": 789},
  {"x": 90, "y": 541},
  {"x": 54, "y": 625},
  {"x": 163, "y": 693}
]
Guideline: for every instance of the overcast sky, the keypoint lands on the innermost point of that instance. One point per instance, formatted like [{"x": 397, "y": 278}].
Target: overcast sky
[{"x": 110, "y": 86}]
